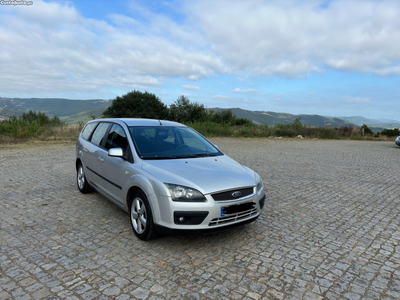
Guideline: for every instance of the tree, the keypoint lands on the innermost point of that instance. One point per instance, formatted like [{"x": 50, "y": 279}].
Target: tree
[
  {"x": 297, "y": 123},
  {"x": 182, "y": 110},
  {"x": 222, "y": 116},
  {"x": 136, "y": 104},
  {"x": 366, "y": 130}
]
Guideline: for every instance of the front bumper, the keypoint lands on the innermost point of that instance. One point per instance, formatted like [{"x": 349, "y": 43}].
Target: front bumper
[
  {"x": 172, "y": 231},
  {"x": 203, "y": 217}
]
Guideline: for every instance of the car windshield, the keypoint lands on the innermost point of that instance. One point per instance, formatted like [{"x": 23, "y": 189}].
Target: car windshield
[{"x": 164, "y": 142}]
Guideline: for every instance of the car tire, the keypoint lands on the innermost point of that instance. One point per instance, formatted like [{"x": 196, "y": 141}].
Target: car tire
[
  {"x": 81, "y": 181},
  {"x": 141, "y": 217}
]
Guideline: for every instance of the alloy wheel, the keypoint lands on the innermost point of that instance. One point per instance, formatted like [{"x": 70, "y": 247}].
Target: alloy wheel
[
  {"x": 138, "y": 215},
  {"x": 81, "y": 178}
]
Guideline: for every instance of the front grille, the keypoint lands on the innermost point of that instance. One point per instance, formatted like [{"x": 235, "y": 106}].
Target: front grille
[
  {"x": 227, "y": 195},
  {"x": 234, "y": 217}
]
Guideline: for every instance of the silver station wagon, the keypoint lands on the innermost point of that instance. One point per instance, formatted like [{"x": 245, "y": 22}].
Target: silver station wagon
[{"x": 169, "y": 178}]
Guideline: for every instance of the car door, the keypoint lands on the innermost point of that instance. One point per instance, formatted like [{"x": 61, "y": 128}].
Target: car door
[
  {"x": 112, "y": 169},
  {"x": 93, "y": 152},
  {"x": 83, "y": 145}
]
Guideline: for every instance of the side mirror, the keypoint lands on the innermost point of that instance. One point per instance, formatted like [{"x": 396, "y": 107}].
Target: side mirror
[
  {"x": 116, "y": 152},
  {"x": 216, "y": 146}
]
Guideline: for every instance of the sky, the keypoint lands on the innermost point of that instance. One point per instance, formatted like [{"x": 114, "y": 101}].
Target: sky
[{"x": 331, "y": 58}]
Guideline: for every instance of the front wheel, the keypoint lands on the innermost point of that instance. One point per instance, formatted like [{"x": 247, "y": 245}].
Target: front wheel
[
  {"x": 83, "y": 185},
  {"x": 141, "y": 217}
]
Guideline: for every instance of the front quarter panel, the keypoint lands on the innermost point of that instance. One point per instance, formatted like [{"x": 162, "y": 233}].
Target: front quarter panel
[{"x": 149, "y": 185}]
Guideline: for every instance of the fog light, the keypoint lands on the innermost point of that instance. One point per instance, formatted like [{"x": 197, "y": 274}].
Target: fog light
[{"x": 189, "y": 217}]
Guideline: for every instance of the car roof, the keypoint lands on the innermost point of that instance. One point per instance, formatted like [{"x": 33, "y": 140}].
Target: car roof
[{"x": 141, "y": 122}]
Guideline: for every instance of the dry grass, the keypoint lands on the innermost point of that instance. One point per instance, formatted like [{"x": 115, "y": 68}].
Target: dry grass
[{"x": 68, "y": 133}]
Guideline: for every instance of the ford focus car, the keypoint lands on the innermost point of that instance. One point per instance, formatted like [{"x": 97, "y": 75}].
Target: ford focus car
[{"x": 169, "y": 178}]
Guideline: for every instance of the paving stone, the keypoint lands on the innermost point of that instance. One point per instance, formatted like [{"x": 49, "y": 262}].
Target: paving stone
[{"x": 330, "y": 230}]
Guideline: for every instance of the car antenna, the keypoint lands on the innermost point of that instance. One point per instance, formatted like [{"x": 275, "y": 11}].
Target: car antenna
[{"x": 160, "y": 122}]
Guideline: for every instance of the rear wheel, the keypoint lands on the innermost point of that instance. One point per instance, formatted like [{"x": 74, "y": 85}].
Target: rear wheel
[
  {"x": 83, "y": 185},
  {"x": 141, "y": 217}
]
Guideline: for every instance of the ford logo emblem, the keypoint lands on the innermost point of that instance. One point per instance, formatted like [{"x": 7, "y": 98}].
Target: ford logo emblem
[{"x": 236, "y": 194}]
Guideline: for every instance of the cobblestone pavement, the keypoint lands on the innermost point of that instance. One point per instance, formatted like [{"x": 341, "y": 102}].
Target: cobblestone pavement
[{"x": 330, "y": 230}]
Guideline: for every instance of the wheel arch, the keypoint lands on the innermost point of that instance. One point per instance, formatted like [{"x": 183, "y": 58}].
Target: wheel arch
[
  {"x": 149, "y": 192},
  {"x": 132, "y": 190},
  {"x": 139, "y": 182},
  {"x": 77, "y": 163},
  {"x": 86, "y": 187}
]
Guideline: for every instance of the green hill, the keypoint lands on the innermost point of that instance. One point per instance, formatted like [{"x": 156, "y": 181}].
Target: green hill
[
  {"x": 375, "y": 124},
  {"x": 74, "y": 111},
  {"x": 70, "y": 111},
  {"x": 273, "y": 118}
]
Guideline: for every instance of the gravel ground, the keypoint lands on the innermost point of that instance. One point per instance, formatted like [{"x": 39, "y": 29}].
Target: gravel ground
[{"x": 330, "y": 230}]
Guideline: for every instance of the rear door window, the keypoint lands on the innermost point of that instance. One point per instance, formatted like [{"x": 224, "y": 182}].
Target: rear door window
[{"x": 98, "y": 134}]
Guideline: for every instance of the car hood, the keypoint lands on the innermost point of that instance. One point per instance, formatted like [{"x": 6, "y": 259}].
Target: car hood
[{"x": 206, "y": 174}]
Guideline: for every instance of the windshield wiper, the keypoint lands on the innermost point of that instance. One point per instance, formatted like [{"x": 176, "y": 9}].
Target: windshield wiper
[
  {"x": 196, "y": 155},
  {"x": 158, "y": 157},
  {"x": 179, "y": 156},
  {"x": 205, "y": 154}
]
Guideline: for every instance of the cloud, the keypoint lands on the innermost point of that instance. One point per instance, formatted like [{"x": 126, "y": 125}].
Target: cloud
[
  {"x": 221, "y": 97},
  {"x": 52, "y": 45},
  {"x": 295, "y": 38},
  {"x": 237, "y": 90},
  {"x": 191, "y": 87},
  {"x": 354, "y": 100}
]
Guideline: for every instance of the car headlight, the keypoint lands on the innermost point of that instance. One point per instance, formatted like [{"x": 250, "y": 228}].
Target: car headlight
[
  {"x": 181, "y": 193},
  {"x": 259, "y": 182}
]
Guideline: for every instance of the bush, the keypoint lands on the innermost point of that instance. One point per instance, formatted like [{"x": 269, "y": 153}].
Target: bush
[
  {"x": 29, "y": 125},
  {"x": 227, "y": 117},
  {"x": 391, "y": 132}
]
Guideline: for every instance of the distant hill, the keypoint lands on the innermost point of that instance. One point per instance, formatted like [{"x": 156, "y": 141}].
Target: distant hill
[
  {"x": 70, "y": 111},
  {"x": 273, "y": 118},
  {"x": 374, "y": 123},
  {"x": 73, "y": 111}
]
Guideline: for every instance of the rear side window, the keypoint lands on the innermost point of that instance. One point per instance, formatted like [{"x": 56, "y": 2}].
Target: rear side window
[
  {"x": 116, "y": 138},
  {"x": 98, "y": 134},
  {"x": 88, "y": 130}
]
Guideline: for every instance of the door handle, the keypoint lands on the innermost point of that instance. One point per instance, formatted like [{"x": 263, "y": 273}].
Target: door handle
[
  {"x": 84, "y": 149},
  {"x": 101, "y": 159}
]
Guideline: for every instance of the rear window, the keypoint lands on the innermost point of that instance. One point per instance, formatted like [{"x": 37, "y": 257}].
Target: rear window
[
  {"x": 98, "y": 135},
  {"x": 87, "y": 131}
]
